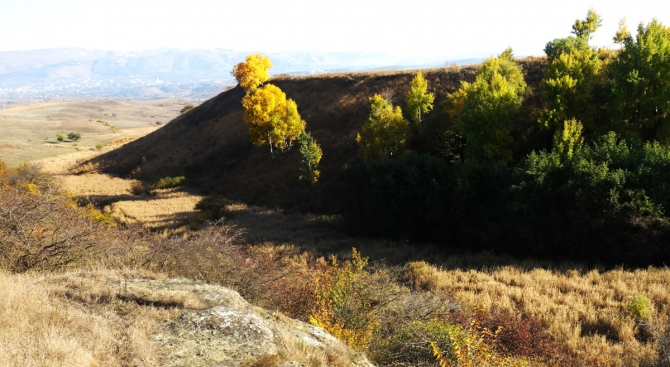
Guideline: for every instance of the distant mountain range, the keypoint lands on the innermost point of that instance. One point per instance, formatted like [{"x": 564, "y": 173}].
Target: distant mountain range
[{"x": 194, "y": 74}]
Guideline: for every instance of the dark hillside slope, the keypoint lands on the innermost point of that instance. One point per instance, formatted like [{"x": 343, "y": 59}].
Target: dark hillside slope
[{"x": 210, "y": 144}]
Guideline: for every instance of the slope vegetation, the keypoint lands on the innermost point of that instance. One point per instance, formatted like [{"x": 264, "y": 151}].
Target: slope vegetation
[{"x": 210, "y": 144}]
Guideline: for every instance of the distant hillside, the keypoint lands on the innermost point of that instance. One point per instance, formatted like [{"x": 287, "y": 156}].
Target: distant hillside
[
  {"x": 210, "y": 144},
  {"x": 161, "y": 73}
]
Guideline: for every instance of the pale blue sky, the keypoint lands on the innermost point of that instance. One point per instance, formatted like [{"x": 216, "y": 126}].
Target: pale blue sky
[{"x": 447, "y": 29}]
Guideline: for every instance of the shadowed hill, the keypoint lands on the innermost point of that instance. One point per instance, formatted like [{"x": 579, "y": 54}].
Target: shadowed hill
[{"x": 210, "y": 144}]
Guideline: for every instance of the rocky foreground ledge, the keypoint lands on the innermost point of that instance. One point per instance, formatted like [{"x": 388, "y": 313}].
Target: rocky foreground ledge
[{"x": 222, "y": 329}]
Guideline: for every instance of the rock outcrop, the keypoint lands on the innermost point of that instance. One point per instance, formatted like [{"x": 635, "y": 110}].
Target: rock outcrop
[{"x": 222, "y": 329}]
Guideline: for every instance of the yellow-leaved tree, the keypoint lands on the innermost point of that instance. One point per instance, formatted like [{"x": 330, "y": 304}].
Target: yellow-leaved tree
[
  {"x": 385, "y": 133},
  {"x": 419, "y": 101},
  {"x": 271, "y": 117},
  {"x": 252, "y": 72}
]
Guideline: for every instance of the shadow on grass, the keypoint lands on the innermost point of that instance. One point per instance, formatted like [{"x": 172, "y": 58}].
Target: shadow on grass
[{"x": 323, "y": 235}]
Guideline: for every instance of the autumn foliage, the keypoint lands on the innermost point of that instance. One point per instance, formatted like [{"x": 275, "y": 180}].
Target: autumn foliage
[
  {"x": 271, "y": 117},
  {"x": 253, "y": 72}
]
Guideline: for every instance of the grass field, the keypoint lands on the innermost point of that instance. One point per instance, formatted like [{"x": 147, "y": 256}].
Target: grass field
[{"x": 29, "y": 132}]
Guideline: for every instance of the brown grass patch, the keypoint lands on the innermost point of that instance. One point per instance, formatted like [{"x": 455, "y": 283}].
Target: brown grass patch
[
  {"x": 169, "y": 208},
  {"x": 76, "y": 319},
  {"x": 96, "y": 185},
  {"x": 585, "y": 310}
]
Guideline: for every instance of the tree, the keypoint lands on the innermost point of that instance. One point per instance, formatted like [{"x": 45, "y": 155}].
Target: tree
[
  {"x": 568, "y": 82},
  {"x": 585, "y": 28},
  {"x": 74, "y": 136},
  {"x": 271, "y": 118},
  {"x": 311, "y": 156},
  {"x": 419, "y": 101},
  {"x": 569, "y": 138},
  {"x": 252, "y": 72},
  {"x": 640, "y": 82},
  {"x": 385, "y": 133},
  {"x": 485, "y": 108}
]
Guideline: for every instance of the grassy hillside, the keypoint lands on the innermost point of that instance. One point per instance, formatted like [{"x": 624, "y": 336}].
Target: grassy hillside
[
  {"x": 29, "y": 132},
  {"x": 210, "y": 144}
]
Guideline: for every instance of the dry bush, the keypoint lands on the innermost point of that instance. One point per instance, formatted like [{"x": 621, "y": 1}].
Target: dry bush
[
  {"x": 521, "y": 335},
  {"x": 41, "y": 227}
]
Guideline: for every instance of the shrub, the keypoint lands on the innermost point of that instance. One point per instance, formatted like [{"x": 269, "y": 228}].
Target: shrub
[
  {"x": 99, "y": 146},
  {"x": 473, "y": 346},
  {"x": 169, "y": 182},
  {"x": 139, "y": 188},
  {"x": 640, "y": 307},
  {"x": 41, "y": 228},
  {"x": 61, "y": 137},
  {"x": 74, "y": 136},
  {"x": 186, "y": 108},
  {"x": 340, "y": 307}
]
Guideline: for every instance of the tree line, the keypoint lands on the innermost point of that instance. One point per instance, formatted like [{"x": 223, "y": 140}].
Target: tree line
[{"x": 594, "y": 187}]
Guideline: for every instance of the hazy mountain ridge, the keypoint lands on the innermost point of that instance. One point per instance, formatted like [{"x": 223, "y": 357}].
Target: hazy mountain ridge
[{"x": 75, "y": 72}]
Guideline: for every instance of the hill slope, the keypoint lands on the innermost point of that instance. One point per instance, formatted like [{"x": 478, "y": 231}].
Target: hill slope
[{"x": 210, "y": 144}]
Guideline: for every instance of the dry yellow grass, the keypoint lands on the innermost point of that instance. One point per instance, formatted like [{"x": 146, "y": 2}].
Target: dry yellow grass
[
  {"x": 28, "y": 133},
  {"x": 96, "y": 184},
  {"x": 76, "y": 319},
  {"x": 168, "y": 208},
  {"x": 588, "y": 310}
]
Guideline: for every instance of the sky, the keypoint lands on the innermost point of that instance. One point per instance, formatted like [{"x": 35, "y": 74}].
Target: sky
[{"x": 444, "y": 29}]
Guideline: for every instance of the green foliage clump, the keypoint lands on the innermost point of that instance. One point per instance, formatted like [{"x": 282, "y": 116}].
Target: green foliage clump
[
  {"x": 485, "y": 109},
  {"x": 639, "y": 98},
  {"x": 585, "y": 28},
  {"x": 411, "y": 342},
  {"x": 311, "y": 156},
  {"x": 74, "y": 136},
  {"x": 386, "y": 132},
  {"x": 569, "y": 81},
  {"x": 607, "y": 202},
  {"x": 169, "y": 182},
  {"x": 61, "y": 137},
  {"x": 569, "y": 138},
  {"x": 419, "y": 101},
  {"x": 640, "y": 307},
  {"x": 339, "y": 307},
  {"x": 99, "y": 146}
]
